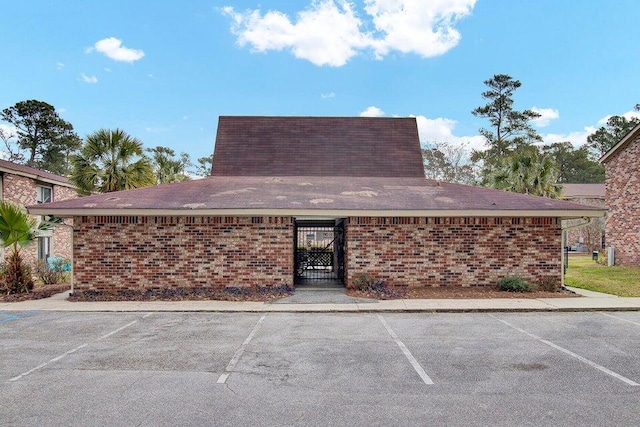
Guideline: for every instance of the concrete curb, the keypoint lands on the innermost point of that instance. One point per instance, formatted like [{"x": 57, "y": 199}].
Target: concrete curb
[{"x": 592, "y": 301}]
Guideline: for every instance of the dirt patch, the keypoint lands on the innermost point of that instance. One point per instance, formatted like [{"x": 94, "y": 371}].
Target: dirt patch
[
  {"x": 39, "y": 291},
  {"x": 259, "y": 294},
  {"x": 459, "y": 293}
]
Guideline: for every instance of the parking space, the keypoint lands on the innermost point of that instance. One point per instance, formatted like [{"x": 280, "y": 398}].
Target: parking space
[{"x": 319, "y": 369}]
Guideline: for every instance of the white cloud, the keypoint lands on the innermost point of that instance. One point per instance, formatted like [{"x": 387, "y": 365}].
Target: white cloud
[
  {"x": 108, "y": 70},
  {"x": 546, "y": 115},
  {"x": 628, "y": 115},
  {"x": 441, "y": 130},
  {"x": 325, "y": 34},
  {"x": 435, "y": 130},
  {"x": 88, "y": 79},
  {"x": 579, "y": 137},
  {"x": 327, "y": 95},
  {"x": 416, "y": 26},
  {"x": 8, "y": 130},
  {"x": 576, "y": 138},
  {"x": 372, "y": 111},
  {"x": 112, "y": 48},
  {"x": 329, "y": 32},
  {"x": 59, "y": 65}
]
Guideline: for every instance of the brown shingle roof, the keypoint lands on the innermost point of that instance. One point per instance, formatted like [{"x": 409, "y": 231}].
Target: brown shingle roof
[
  {"x": 321, "y": 195},
  {"x": 317, "y": 146},
  {"x": 33, "y": 172},
  {"x": 594, "y": 191}
]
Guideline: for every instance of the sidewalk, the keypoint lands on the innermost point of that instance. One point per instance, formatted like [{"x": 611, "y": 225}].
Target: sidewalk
[{"x": 591, "y": 301}]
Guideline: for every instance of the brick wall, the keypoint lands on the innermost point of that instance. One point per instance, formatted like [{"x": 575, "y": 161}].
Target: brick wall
[
  {"x": 623, "y": 201},
  {"x": 61, "y": 245},
  {"x": 22, "y": 191},
  {"x": 453, "y": 251},
  {"x": 592, "y": 234},
  {"x": 113, "y": 253}
]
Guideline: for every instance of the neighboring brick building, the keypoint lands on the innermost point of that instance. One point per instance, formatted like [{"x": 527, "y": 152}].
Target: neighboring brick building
[
  {"x": 622, "y": 178},
  {"x": 293, "y": 200},
  {"x": 25, "y": 186},
  {"x": 590, "y": 237}
]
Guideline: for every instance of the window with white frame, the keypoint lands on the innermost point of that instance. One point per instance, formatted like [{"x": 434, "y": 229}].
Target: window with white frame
[
  {"x": 44, "y": 247},
  {"x": 45, "y": 194}
]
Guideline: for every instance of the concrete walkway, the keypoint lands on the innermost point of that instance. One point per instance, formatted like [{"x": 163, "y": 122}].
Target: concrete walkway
[{"x": 591, "y": 301}]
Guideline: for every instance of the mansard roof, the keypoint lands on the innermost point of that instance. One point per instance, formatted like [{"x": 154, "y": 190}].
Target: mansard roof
[{"x": 317, "y": 146}]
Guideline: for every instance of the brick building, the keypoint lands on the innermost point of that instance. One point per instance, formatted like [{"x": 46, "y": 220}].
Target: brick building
[
  {"x": 622, "y": 178},
  {"x": 589, "y": 237},
  {"x": 25, "y": 186},
  {"x": 293, "y": 200}
]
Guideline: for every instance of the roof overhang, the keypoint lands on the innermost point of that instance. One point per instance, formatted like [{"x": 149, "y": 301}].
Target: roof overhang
[
  {"x": 564, "y": 214},
  {"x": 624, "y": 141},
  {"x": 36, "y": 177}
]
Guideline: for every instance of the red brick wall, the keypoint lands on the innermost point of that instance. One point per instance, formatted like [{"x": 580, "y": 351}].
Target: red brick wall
[
  {"x": 623, "y": 201},
  {"x": 22, "y": 191},
  {"x": 61, "y": 245},
  {"x": 113, "y": 253},
  {"x": 591, "y": 234},
  {"x": 453, "y": 251}
]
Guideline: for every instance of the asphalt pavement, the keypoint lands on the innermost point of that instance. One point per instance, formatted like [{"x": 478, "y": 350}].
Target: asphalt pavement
[{"x": 318, "y": 369}]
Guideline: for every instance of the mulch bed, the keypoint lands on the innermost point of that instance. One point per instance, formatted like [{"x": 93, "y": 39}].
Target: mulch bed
[
  {"x": 260, "y": 294},
  {"x": 39, "y": 291},
  {"x": 264, "y": 294},
  {"x": 457, "y": 293}
]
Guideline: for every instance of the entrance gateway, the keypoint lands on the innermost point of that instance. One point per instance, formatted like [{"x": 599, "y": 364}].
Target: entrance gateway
[{"x": 319, "y": 252}]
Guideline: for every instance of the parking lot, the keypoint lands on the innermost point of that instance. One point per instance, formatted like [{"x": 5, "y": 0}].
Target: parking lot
[{"x": 147, "y": 369}]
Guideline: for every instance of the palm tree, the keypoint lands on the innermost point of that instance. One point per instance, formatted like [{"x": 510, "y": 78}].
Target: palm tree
[
  {"x": 526, "y": 172},
  {"x": 17, "y": 229},
  {"x": 111, "y": 161}
]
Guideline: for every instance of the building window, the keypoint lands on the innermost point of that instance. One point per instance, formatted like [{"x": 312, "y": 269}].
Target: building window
[
  {"x": 44, "y": 248},
  {"x": 45, "y": 194}
]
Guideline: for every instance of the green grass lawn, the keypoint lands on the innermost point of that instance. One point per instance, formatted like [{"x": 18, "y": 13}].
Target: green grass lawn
[{"x": 585, "y": 273}]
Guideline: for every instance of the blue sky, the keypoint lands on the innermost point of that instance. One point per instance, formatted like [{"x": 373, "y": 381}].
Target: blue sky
[{"x": 165, "y": 70}]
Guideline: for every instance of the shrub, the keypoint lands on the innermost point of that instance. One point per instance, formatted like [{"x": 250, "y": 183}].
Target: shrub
[
  {"x": 47, "y": 274},
  {"x": 363, "y": 282},
  {"x": 16, "y": 275},
  {"x": 515, "y": 284},
  {"x": 59, "y": 264},
  {"x": 549, "y": 285}
]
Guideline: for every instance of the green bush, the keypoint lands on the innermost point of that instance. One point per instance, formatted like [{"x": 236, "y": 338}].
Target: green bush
[
  {"x": 363, "y": 282},
  {"x": 515, "y": 284}
]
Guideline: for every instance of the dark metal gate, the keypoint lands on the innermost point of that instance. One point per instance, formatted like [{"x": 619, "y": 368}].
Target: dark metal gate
[{"x": 319, "y": 252}]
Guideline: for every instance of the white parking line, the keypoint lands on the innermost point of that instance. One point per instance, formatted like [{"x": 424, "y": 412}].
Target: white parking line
[
  {"x": 570, "y": 353},
  {"x": 73, "y": 350},
  {"x": 236, "y": 357},
  {"x": 620, "y": 318},
  {"x": 423, "y": 375}
]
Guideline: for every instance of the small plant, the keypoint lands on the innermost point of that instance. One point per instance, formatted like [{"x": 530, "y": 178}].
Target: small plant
[
  {"x": 47, "y": 274},
  {"x": 549, "y": 285},
  {"x": 363, "y": 282},
  {"x": 16, "y": 275},
  {"x": 515, "y": 284},
  {"x": 59, "y": 264}
]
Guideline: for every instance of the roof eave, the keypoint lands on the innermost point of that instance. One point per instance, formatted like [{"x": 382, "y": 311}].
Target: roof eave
[
  {"x": 36, "y": 177},
  {"x": 628, "y": 137},
  {"x": 338, "y": 213}
]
